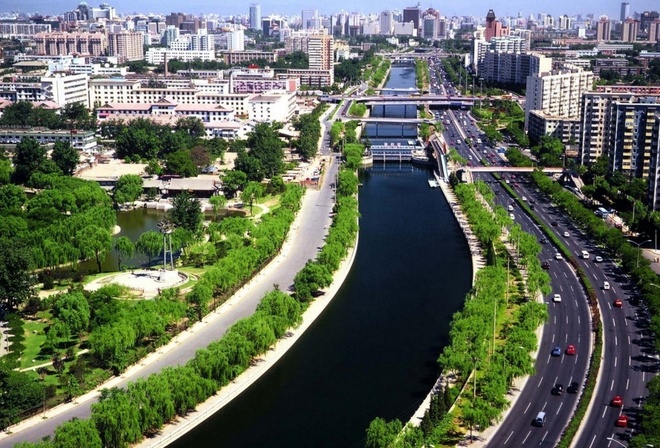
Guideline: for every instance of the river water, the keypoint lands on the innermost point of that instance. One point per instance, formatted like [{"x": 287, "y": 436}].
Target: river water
[{"x": 373, "y": 352}]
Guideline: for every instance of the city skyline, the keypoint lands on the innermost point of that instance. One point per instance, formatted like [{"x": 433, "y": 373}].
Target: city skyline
[{"x": 477, "y": 8}]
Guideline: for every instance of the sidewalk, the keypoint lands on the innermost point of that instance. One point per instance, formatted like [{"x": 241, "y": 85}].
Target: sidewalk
[{"x": 652, "y": 255}]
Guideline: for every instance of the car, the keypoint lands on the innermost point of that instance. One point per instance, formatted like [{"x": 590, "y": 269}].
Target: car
[
  {"x": 621, "y": 421},
  {"x": 598, "y": 259},
  {"x": 545, "y": 265},
  {"x": 617, "y": 303},
  {"x": 556, "y": 351},
  {"x": 573, "y": 388},
  {"x": 556, "y": 298},
  {"x": 531, "y": 207},
  {"x": 524, "y": 199},
  {"x": 554, "y": 223},
  {"x": 543, "y": 241},
  {"x": 570, "y": 350},
  {"x": 558, "y": 389},
  {"x": 558, "y": 256},
  {"x": 566, "y": 234},
  {"x": 512, "y": 216},
  {"x": 617, "y": 401}
]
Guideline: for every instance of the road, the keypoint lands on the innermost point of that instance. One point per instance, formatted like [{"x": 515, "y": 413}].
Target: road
[
  {"x": 307, "y": 235},
  {"x": 629, "y": 358},
  {"x": 569, "y": 323}
]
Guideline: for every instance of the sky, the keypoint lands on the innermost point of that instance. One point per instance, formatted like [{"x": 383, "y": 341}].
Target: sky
[{"x": 294, "y": 7}]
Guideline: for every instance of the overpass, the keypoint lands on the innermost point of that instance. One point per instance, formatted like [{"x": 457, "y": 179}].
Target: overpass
[
  {"x": 417, "y": 99},
  {"x": 511, "y": 169}
]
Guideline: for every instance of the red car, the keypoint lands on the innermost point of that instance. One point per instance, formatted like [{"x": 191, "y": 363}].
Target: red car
[
  {"x": 570, "y": 350},
  {"x": 622, "y": 421},
  {"x": 618, "y": 303},
  {"x": 617, "y": 401}
]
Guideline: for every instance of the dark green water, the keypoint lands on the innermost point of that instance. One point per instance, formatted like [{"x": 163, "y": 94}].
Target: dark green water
[{"x": 373, "y": 352}]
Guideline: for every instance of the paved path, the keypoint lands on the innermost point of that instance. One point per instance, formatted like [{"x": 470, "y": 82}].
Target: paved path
[{"x": 305, "y": 237}]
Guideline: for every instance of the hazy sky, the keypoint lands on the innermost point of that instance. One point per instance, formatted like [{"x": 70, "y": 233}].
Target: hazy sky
[{"x": 293, "y": 7}]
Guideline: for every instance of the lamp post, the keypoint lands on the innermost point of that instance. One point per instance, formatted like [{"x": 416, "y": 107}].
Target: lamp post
[{"x": 639, "y": 245}]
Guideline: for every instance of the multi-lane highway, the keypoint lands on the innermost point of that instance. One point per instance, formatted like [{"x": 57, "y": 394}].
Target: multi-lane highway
[{"x": 628, "y": 359}]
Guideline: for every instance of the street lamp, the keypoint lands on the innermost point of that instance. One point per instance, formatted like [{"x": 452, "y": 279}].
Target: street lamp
[{"x": 639, "y": 248}]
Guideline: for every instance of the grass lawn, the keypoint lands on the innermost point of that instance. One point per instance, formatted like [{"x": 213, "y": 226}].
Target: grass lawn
[{"x": 35, "y": 336}]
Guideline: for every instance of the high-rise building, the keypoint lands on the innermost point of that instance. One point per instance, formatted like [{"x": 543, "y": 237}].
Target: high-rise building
[
  {"x": 321, "y": 51},
  {"x": 654, "y": 31},
  {"x": 413, "y": 14},
  {"x": 58, "y": 43},
  {"x": 235, "y": 40},
  {"x": 603, "y": 30},
  {"x": 126, "y": 46},
  {"x": 175, "y": 19},
  {"x": 430, "y": 27},
  {"x": 170, "y": 34},
  {"x": 645, "y": 20},
  {"x": 255, "y": 16},
  {"x": 493, "y": 27},
  {"x": 625, "y": 11},
  {"x": 310, "y": 19},
  {"x": 386, "y": 22},
  {"x": 557, "y": 93},
  {"x": 202, "y": 42},
  {"x": 630, "y": 30}
]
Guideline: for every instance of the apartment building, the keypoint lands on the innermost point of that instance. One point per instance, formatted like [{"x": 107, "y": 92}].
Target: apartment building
[
  {"x": 654, "y": 171},
  {"x": 236, "y": 57},
  {"x": 557, "y": 93},
  {"x": 207, "y": 113},
  {"x": 126, "y": 46},
  {"x": 631, "y": 135},
  {"x": 562, "y": 128},
  {"x": 20, "y": 29},
  {"x": 596, "y": 116},
  {"x": 64, "y": 88},
  {"x": 59, "y": 43},
  {"x": 512, "y": 67}
]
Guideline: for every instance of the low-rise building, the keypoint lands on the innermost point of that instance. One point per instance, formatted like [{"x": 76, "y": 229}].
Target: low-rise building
[
  {"x": 564, "y": 128},
  {"x": 81, "y": 140},
  {"x": 272, "y": 107}
]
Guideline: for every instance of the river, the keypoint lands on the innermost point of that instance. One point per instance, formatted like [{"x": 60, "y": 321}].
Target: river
[{"x": 373, "y": 352}]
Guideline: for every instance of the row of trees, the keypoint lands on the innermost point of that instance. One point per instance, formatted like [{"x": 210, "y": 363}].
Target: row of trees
[
  {"x": 422, "y": 74},
  {"x": 71, "y": 116},
  {"x": 493, "y": 360},
  {"x": 31, "y": 162},
  {"x": 309, "y": 126}
]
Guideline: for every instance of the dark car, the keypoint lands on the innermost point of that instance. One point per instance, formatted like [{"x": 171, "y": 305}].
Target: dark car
[
  {"x": 558, "y": 389},
  {"x": 543, "y": 241},
  {"x": 545, "y": 265},
  {"x": 554, "y": 223},
  {"x": 556, "y": 351},
  {"x": 573, "y": 388}
]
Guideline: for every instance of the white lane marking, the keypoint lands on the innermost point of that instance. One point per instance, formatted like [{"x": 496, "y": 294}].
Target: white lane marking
[
  {"x": 578, "y": 314},
  {"x": 525, "y": 439},
  {"x": 572, "y": 290},
  {"x": 628, "y": 339},
  {"x": 609, "y": 305},
  {"x": 615, "y": 359},
  {"x": 528, "y": 405},
  {"x": 594, "y": 275},
  {"x": 613, "y": 322},
  {"x": 604, "y": 411},
  {"x": 557, "y": 413},
  {"x": 507, "y": 439},
  {"x": 592, "y": 441},
  {"x": 612, "y": 386},
  {"x": 553, "y": 335},
  {"x": 613, "y": 289},
  {"x": 566, "y": 340},
  {"x": 616, "y": 340},
  {"x": 544, "y": 405},
  {"x": 540, "y": 381},
  {"x": 561, "y": 288},
  {"x": 566, "y": 320},
  {"x": 625, "y": 321},
  {"x": 627, "y": 383},
  {"x": 629, "y": 361},
  {"x": 565, "y": 275},
  {"x": 544, "y": 436}
]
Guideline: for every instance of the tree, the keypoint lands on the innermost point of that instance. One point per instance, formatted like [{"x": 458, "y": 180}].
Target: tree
[
  {"x": 218, "y": 202},
  {"x": 73, "y": 310},
  {"x": 252, "y": 192},
  {"x": 125, "y": 249},
  {"x": 186, "y": 212},
  {"x": 65, "y": 156},
  {"x": 116, "y": 419},
  {"x": 127, "y": 189},
  {"x": 28, "y": 156},
  {"x": 181, "y": 163},
  {"x": 382, "y": 434},
  {"x": 20, "y": 393},
  {"x": 76, "y": 433},
  {"x": 15, "y": 279},
  {"x": 12, "y": 198},
  {"x": 233, "y": 181},
  {"x": 5, "y": 171},
  {"x": 192, "y": 125},
  {"x": 93, "y": 241},
  {"x": 150, "y": 244}
]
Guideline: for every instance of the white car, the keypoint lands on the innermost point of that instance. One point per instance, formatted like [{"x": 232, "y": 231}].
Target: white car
[
  {"x": 566, "y": 234},
  {"x": 556, "y": 298},
  {"x": 598, "y": 259},
  {"x": 524, "y": 198},
  {"x": 558, "y": 256},
  {"x": 512, "y": 216}
]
